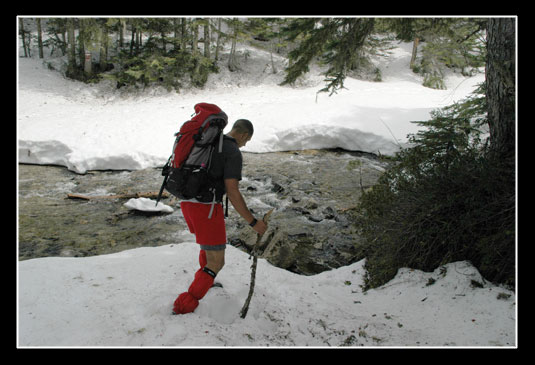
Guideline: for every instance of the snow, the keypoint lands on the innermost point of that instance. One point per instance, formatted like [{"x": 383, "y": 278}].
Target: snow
[
  {"x": 147, "y": 205},
  {"x": 92, "y": 127},
  {"x": 125, "y": 299}
]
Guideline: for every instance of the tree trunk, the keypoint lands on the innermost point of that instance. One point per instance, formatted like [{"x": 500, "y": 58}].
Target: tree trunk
[
  {"x": 103, "y": 58},
  {"x": 414, "y": 51},
  {"x": 232, "y": 63},
  {"x": 138, "y": 39},
  {"x": 132, "y": 39},
  {"x": 195, "y": 39},
  {"x": 175, "y": 34},
  {"x": 183, "y": 35},
  {"x": 22, "y": 33},
  {"x": 71, "y": 48},
  {"x": 39, "y": 38},
  {"x": 122, "y": 29},
  {"x": 207, "y": 38},
  {"x": 218, "y": 41},
  {"x": 273, "y": 69},
  {"x": 64, "y": 42},
  {"x": 81, "y": 41},
  {"x": 500, "y": 79}
]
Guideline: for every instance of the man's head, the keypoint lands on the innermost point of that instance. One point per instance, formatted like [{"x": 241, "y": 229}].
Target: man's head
[{"x": 242, "y": 131}]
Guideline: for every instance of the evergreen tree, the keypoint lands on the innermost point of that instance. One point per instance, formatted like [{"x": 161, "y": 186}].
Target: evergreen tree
[
  {"x": 55, "y": 30},
  {"x": 268, "y": 30},
  {"x": 451, "y": 196},
  {"x": 447, "y": 42},
  {"x": 336, "y": 41},
  {"x": 237, "y": 32}
]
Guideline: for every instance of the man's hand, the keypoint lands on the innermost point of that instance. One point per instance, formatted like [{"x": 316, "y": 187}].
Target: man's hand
[
  {"x": 260, "y": 227},
  {"x": 235, "y": 197}
]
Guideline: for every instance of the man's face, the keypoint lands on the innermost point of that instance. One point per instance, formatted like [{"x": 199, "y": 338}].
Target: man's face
[{"x": 242, "y": 139}]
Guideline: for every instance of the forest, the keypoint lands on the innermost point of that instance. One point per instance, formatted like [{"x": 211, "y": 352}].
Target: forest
[
  {"x": 182, "y": 52},
  {"x": 452, "y": 196}
]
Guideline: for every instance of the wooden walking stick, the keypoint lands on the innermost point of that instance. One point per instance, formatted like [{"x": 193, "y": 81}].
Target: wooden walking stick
[{"x": 254, "y": 252}]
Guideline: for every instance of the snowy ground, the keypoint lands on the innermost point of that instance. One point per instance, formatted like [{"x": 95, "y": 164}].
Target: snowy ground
[
  {"x": 88, "y": 127},
  {"x": 125, "y": 299}
]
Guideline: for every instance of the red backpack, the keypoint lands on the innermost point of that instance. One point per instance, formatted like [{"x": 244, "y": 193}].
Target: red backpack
[
  {"x": 186, "y": 171},
  {"x": 206, "y": 116}
]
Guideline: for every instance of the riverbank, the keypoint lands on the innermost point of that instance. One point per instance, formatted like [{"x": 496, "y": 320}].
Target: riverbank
[{"x": 310, "y": 190}]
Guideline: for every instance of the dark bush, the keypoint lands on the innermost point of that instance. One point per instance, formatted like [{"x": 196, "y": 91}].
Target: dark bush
[{"x": 445, "y": 200}]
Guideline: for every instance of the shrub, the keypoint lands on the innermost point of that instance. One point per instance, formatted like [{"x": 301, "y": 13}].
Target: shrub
[
  {"x": 444, "y": 200},
  {"x": 168, "y": 70}
]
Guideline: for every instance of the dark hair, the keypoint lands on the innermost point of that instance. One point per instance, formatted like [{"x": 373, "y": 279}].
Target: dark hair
[{"x": 243, "y": 126}]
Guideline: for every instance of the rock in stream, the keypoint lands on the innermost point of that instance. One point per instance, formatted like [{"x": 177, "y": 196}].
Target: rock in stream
[{"x": 310, "y": 229}]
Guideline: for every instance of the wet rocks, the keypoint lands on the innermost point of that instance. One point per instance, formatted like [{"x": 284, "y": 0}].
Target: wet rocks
[
  {"x": 310, "y": 229},
  {"x": 52, "y": 225}
]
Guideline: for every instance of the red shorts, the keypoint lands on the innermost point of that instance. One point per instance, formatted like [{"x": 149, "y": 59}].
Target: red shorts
[{"x": 209, "y": 233}]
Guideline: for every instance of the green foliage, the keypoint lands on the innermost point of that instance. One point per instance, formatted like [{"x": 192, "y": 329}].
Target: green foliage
[
  {"x": 166, "y": 70},
  {"x": 202, "y": 67},
  {"x": 450, "y": 43},
  {"x": 337, "y": 42},
  {"x": 156, "y": 51},
  {"x": 431, "y": 68},
  {"x": 346, "y": 44},
  {"x": 445, "y": 200},
  {"x": 343, "y": 45},
  {"x": 153, "y": 69}
]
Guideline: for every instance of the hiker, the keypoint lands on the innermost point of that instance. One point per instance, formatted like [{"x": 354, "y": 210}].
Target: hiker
[{"x": 210, "y": 233}]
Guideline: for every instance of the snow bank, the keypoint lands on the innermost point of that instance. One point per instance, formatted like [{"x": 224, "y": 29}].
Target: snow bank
[
  {"x": 89, "y": 127},
  {"x": 125, "y": 299}
]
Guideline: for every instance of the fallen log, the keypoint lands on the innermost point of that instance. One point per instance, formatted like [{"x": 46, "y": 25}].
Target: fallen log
[{"x": 147, "y": 194}]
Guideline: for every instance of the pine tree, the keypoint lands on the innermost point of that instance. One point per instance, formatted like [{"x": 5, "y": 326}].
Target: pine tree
[
  {"x": 451, "y": 195},
  {"x": 267, "y": 30},
  {"x": 236, "y": 27},
  {"x": 440, "y": 43},
  {"x": 336, "y": 41}
]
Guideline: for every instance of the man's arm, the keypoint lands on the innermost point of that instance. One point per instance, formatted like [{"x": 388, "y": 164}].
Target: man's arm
[{"x": 235, "y": 197}]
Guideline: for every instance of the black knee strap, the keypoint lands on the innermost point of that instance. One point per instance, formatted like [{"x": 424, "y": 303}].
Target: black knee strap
[{"x": 209, "y": 272}]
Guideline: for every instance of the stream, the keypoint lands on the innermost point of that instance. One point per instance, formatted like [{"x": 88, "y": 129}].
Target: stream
[{"x": 310, "y": 231}]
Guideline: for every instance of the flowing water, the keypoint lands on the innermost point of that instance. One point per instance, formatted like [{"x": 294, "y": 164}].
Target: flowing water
[{"x": 309, "y": 189}]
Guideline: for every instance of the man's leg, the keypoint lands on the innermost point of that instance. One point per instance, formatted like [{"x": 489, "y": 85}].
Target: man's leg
[
  {"x": 211, "y": 235},
  {"x": 202, "y": 258},
  {"x": 215, "y": 260},
  {"x": 204, "y": 279}
]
